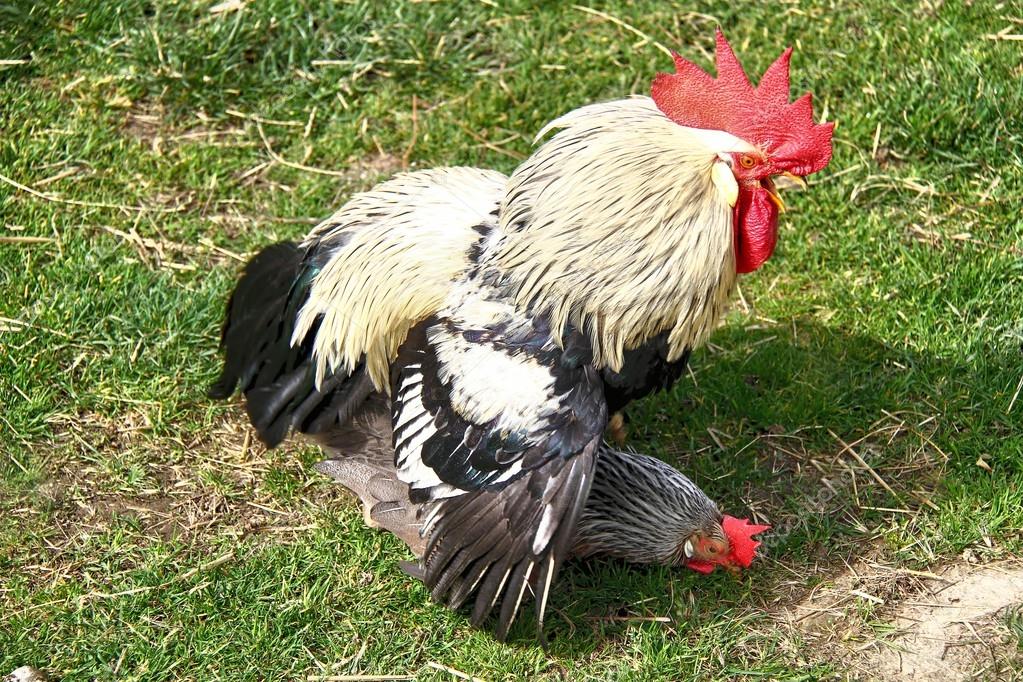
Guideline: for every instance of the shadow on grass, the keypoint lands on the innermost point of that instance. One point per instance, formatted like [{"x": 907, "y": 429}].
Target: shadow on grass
[{"x": 847, "y": 446}]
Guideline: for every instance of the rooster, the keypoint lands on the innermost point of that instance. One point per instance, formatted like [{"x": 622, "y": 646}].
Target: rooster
[{"x": 502, "y": 319}]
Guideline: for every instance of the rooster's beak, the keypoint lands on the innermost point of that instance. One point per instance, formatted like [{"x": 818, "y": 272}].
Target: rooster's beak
[
  {"x": 772, "y": 192},
  {"x": 787, "y": 180}
]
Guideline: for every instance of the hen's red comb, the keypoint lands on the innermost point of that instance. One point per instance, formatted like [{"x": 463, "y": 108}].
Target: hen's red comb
[
  {"x": 760, "y": 115},
  {"x": 740, "y": 534}
]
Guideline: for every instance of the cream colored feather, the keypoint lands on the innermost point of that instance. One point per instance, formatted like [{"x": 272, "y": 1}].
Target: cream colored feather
[
  {"x": 617, "y": 225},
  {"x": 403, "y": 244}
]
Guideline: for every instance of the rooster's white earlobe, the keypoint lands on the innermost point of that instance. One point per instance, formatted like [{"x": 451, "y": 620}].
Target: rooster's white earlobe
[{"x": 724, "y": 180}]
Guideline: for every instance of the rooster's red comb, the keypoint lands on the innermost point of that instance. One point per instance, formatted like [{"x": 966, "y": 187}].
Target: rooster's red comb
[
  {"x": 740, "y": 534},
  {"x": 761, "y": 115}
]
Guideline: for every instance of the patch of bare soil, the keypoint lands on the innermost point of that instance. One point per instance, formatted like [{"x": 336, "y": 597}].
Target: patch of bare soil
[
  {"x": 26, "y": 674},
  {"x": 371, "y": 168},
  {"x": 112, "y": 471},
  {"x": 895, "y": 624},
  {"x": 144, "y": 122}
]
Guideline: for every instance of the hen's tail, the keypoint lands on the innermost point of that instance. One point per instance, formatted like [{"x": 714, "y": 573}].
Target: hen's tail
[{"x": 276, "y": 377}]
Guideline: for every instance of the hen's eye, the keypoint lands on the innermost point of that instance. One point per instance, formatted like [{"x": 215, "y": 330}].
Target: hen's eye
[{"x": 747, "y": 161}]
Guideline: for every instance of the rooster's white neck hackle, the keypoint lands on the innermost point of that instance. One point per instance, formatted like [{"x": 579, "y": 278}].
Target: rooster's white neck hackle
[{"x": 618, "y": 225}]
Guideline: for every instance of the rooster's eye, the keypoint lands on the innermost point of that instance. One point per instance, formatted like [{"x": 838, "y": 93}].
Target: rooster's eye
[{"x": 747, "y": 161}]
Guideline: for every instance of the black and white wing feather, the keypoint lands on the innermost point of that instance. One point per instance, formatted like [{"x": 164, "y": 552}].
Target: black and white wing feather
[{"x": 495, "y": 432}]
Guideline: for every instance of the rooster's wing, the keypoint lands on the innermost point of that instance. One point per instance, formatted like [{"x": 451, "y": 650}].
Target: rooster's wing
[{"x": 495, "y": 431}]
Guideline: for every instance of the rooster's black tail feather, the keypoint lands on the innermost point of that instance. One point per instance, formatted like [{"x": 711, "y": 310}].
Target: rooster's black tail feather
[{"x": 278, "y": 379}]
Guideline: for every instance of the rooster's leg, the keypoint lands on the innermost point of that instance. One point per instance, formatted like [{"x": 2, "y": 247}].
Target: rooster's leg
[{"x": 616, "y": 429}]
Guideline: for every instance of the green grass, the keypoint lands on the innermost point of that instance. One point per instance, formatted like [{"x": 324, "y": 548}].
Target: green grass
[{"x": 142, "y": 536}]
